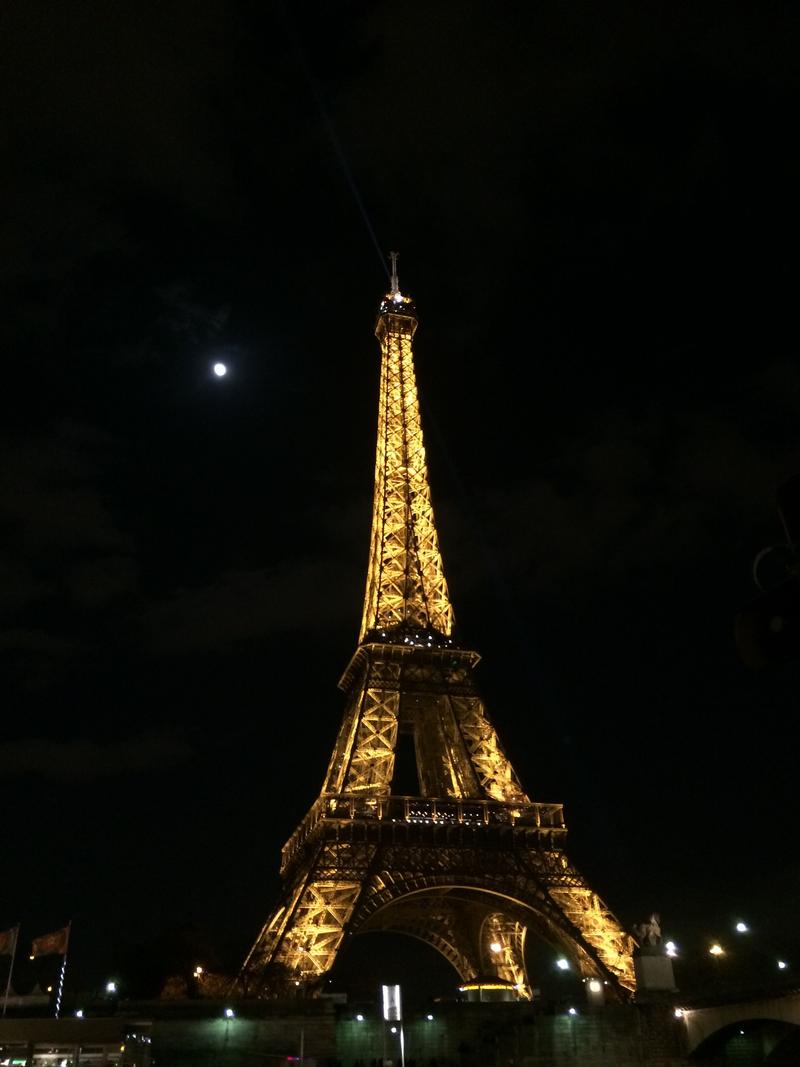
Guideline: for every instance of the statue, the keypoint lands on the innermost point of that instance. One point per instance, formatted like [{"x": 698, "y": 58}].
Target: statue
[{"x": 649, "y": 933}]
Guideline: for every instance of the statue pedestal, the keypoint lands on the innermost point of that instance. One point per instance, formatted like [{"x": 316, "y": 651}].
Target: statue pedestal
[{"x": 653, "y": 970}]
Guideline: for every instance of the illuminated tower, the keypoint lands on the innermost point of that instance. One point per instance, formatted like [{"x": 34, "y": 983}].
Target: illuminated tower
[{"x": 468, "y": 864}]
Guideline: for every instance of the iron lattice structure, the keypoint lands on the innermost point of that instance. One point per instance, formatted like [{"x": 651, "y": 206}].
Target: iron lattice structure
[{"x": 470, "y": 865}]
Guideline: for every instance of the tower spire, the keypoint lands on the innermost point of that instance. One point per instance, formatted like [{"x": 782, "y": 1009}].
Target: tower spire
[{"x": 406, "y": 588}]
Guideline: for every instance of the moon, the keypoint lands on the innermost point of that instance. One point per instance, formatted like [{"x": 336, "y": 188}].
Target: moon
[{"x": 220, "y": 370}]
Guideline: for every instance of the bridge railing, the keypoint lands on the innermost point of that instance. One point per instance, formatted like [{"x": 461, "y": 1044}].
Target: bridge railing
[{"x": 422, "y": 811}]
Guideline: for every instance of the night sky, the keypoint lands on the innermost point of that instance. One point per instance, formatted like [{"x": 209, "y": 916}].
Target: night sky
[{"x": 596, "y": 212}]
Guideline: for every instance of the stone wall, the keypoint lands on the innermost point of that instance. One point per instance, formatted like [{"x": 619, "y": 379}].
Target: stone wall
[{"x": 458, "y": 1035}]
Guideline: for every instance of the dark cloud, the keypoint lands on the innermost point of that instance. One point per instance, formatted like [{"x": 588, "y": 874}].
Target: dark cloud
[
  {"x": 84, "y": 760},
  {"x": 253, "y": 605}
]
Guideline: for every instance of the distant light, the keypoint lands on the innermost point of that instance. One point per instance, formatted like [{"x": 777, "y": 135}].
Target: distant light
[
  {"x": 393, "y": 1029},
  {"x": 359, "y": 1018},
  {"x": 595, "y": 986},
  {"x": 717, "y": 950},
  {"x": 49, "y": 989},
  {"x": 230, "y": 1013},
  {"x": 572, "y": 1011},
  {"x": 496, "y": 946},
  {"x": 742, "y": 928},
  {"x": 31, "y": 957},
  {"x": 79, "y": 1013},
  {"x": 111, "y": 987},
  {"x": 562, "y": 964},
  {"x": 782, "y": 965},
  {"x": 198, "y": 971},
  {"x": 671, "y": 948},
  {"x": 429, "y": 1018},
  {"x": 679, "y": 1013},
  {"x": 220, "y": 370}
]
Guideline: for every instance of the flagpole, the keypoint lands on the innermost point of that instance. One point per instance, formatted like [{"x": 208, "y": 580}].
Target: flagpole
[
  {"x": 11, "y": 969},
  {"x": 63, "y": 971}
]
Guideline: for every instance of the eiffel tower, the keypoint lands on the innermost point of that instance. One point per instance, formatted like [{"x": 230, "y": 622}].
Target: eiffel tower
[{"x": 469, "y": 864}]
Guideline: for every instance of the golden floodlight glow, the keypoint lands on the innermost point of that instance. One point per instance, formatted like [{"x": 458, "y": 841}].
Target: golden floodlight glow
[
  {"x": 716, "y": 950},
  {"x": 368, "y": 858},
  {"x": 405, "y": 576}
]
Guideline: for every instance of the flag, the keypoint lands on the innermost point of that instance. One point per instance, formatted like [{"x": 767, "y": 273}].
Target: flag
[
  {"x": 8, "y": 941},
  {"x": 54, "y": 944}
]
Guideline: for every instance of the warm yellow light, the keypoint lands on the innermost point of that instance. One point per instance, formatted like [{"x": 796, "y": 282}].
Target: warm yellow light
[
  {"x": 717, "y": 950},
  {"x": 482, "y": 985},
  {"x": 496, "y": 946},
  {"x": 595, "y": 986}
]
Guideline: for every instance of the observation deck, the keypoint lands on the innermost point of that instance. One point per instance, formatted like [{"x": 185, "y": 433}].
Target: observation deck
[{"x": 357, "y": 818}]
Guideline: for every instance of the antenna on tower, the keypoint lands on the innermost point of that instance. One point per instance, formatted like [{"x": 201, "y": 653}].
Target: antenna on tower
[{"x": 395, "y": 283}]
